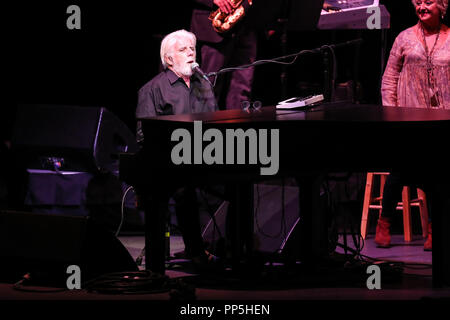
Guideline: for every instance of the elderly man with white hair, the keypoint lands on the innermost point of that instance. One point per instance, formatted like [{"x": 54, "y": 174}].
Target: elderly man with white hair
[{"x": 178, "y": 90}]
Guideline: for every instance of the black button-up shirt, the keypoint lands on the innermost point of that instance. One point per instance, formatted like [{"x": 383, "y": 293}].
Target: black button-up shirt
[{"x": 167, "y": 94}]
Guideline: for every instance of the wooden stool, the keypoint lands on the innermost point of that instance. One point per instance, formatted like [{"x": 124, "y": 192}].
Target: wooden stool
[{"x": 375, "y": 202}]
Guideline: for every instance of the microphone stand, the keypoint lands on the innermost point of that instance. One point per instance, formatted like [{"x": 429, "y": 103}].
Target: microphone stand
[
  {"x": 330, "y": 79},
  {"x": 283, "y": 44},
  {"x": 324, "y": 50}
]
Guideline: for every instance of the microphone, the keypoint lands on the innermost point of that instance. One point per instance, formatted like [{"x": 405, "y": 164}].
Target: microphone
[{"x": 196, "y": 68}]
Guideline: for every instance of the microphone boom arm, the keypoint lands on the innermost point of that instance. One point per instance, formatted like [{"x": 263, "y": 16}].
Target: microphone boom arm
[{"x": 277, "y": 60}]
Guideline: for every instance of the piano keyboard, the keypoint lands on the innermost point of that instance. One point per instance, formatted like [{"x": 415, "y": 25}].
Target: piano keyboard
[
  {"x": 347, "y": 5},
  {"x": 352, "y": 15}
]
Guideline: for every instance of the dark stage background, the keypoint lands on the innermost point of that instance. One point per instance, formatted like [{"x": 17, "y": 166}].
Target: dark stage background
[{"x": 117, "y": 51}]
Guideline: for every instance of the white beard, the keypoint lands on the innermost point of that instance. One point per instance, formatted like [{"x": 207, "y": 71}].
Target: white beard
[{"x": 184, "y": 70}]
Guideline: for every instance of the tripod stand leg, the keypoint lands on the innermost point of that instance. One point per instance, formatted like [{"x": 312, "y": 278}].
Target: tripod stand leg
[{"x": 140, "y": 257}]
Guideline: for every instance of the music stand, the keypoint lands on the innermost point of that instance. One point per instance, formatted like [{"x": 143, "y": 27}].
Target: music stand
[
  {"x": 303, "y": 15},
  {"x": 297, "y": 16}
]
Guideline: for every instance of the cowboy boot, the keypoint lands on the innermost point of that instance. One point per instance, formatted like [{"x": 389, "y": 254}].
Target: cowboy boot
[
  {"x": 383, "y": 235},
  {"x": 428, "y": 244}
]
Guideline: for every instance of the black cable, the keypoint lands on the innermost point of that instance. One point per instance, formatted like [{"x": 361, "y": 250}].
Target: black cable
[
  {"x": 334, "y": 71},
  {"x": 293, "y": 55},
  {"x": 114, "y": 279},
  {"x": 20, "y": 286},
  {"x": 129, "y": 283},
  {"x": 283, "y": 208},
  {"x": 364, "y": 258},
  {"x": 122, "y": 212},
  {"x": 211, "y": 214},
  {"x": 140, "y": 282}
]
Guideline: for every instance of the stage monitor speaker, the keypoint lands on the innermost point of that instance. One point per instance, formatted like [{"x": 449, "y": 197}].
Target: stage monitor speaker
[
  {"x": 46, "y": 245},
  {"x": 70, "y": 138},
  {"x": 274, "y": 221}
]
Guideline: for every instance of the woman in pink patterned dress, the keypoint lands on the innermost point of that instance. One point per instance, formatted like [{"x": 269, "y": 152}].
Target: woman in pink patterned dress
[
  {"x": 418, "y": 70},
  {"x": 417, "y": 75}
]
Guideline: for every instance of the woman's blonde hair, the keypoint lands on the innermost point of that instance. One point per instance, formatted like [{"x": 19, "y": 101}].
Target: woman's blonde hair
[{"x": 441, "y": 4}]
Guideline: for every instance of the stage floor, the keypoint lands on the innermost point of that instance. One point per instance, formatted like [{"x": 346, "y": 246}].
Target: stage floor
[{"x": 414, "y": 283}]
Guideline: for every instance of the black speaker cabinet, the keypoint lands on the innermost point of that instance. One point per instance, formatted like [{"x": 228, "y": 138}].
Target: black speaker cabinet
[
  {"x": 46, "y": 245},
  {"x": 276, "y": 215},
  {"x": 72, "y": 138}
]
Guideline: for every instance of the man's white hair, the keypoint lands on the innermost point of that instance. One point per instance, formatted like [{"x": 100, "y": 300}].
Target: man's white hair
[
  {"x": 441, "y": 4},
  {"x": 169, "y": 41}
]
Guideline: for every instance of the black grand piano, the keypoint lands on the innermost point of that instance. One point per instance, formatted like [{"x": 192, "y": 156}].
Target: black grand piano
[{"x": 332, "y": 137}]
